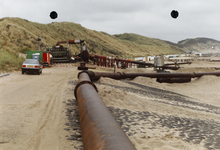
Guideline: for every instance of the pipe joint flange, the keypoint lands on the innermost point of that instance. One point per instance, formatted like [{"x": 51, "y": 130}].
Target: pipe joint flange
[
  {"x": 122, "y": 75},
  {"x": 84, "y": 82},
  {"x": 194, "y": 74}
]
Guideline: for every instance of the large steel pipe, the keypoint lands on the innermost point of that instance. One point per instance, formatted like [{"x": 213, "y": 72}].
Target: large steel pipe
[
  {"x": 99, "y": 129},
  {"x": 97, "y": 75},
  {"x": 173, "y": 80},
  {"x": 179, "y": 63},
  {"x": 199, "y": 74},
  {"x": 143, "y": 63},
  {"x": 171, "y": 68}
]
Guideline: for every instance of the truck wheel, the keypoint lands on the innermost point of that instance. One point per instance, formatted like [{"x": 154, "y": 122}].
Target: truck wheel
[
  {"x": 22, "y": 71},
  {"x": 38, "y": 72}
]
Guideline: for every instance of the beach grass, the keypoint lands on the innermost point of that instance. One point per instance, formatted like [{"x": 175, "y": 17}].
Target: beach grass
[{"x": 10, "y": 60}]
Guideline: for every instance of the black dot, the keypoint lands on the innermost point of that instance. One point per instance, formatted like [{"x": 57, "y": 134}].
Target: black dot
[
  {"x": 53, "y": 15},
  {"x": 174, "y": 14}
]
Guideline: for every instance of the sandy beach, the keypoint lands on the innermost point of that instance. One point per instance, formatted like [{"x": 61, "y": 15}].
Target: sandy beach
[{"x": 40, "y": 112}]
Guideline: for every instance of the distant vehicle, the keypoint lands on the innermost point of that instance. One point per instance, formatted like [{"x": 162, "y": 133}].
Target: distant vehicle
[{"x": 31, "y": 66}]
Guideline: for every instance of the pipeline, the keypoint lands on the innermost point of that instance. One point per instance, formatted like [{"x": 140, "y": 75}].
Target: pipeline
[
  {"x": 179, "y": 63},
  {"x": 143, "y": 63},
  {"x": 171, "y": 68},
  {"x": 216, "y": 68},
  {"x": 214, "y": 61},
  {"x": 99, "y": 128},
  {"x": 4, "y": 74},
  {"x": 173, "y": 80},
  {"x": 127, "y": 61},
  {"x": 105, "y": 61},
  {"x": 109, "y": 61},
  {"x": 94, "y": 76}
]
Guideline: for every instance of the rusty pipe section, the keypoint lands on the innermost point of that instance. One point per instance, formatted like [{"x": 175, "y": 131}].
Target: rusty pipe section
[
  {"x": 99, "y": 129},
  {"x": 179, "y": 63},
  {"x": 94, "y": 76},
  {"x": 171, "y": 68},
  {"x": 143, "y": 63},
  {"x": 173, "y": 80}
]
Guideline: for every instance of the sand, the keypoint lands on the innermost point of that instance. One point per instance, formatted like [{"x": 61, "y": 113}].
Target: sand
[
  {"x": 32, "y": 112},
  {"x": 37, "y": 112}
]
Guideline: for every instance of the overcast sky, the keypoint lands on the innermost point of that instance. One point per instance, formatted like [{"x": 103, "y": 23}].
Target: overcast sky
[{"x": 151, "y": 18}]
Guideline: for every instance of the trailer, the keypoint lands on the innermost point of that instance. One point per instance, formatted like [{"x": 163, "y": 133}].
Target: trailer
[{"x": 35, "y": 55}]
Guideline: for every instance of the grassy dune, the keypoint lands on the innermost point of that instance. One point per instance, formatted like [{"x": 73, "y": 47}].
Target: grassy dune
[
  {"x": 20, "y": 33},
  {"x": 10, "y": 60}
]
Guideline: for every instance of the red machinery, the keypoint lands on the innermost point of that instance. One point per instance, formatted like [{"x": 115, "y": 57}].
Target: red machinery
[
  {"x": 70, "y": 42},
  {"x": 105, "y": 61},
  {"x": 46, "y": 58}
]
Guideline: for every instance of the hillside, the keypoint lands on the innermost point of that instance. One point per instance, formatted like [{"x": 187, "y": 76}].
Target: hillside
[
  {"x": 150, "y": 45},
  {"x": 21, "y": 33},
  {"x": 204, "y": 45}
]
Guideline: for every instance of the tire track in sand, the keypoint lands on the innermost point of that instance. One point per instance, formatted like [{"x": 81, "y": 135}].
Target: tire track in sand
[{"x": 49, "y": 121}]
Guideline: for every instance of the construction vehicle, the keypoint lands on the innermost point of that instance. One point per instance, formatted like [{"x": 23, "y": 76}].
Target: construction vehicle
[{"x": 62, "y": 54}]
